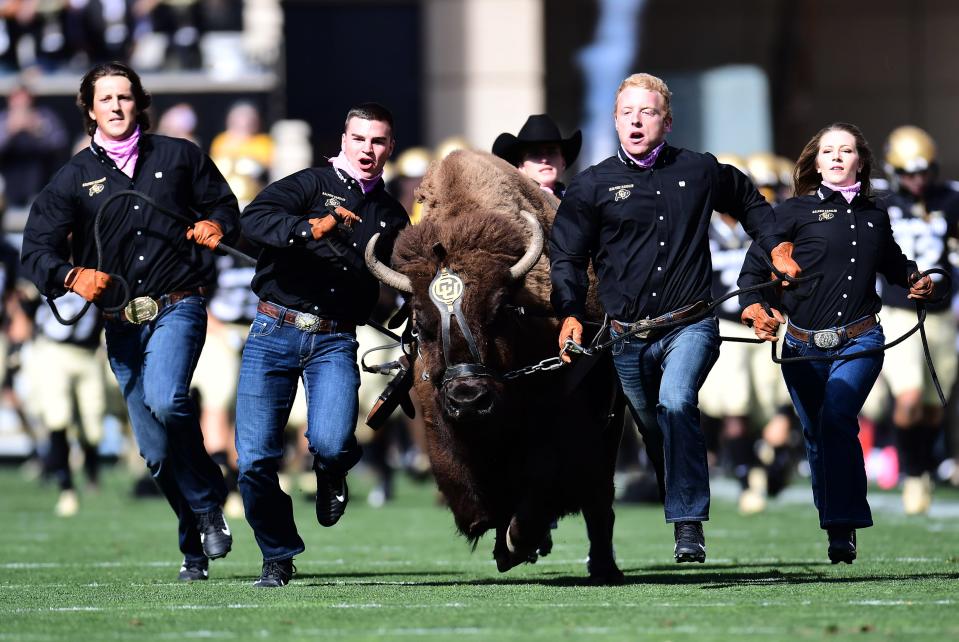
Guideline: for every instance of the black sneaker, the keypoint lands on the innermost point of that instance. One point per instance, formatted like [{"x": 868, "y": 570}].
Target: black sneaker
[
  {"x": 332, "y": 496},
  {"x": 215, "y": 534},
  {"x": 276, "y": 574},
  {"x": 193, "y": 570},
  {"x": 690, "y": 542},
  {"x": 842, "y": 545}
]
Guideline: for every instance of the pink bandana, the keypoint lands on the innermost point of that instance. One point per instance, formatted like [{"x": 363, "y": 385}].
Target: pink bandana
[
  {"x": 848, "y": 191},
  {"x": 123, "y": 152},
  {"x": 649, "y": 159},
  {"x": 341, "y": 163}
]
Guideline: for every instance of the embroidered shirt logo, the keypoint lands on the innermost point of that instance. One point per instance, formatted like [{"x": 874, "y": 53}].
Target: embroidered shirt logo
[
  {"x": 622, "y": 195},
  {"x": 158, "y": 175},
  {"x": 333, "y": 201},
  {"x": 95, "y": 186},
  {"x": 825, "y": 215}
]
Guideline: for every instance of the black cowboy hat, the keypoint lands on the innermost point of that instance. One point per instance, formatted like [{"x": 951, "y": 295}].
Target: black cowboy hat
[{"x": 538, "y": 128}]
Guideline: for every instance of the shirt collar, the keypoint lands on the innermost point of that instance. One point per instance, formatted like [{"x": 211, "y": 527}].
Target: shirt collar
[{"x": 627, "y": 159}]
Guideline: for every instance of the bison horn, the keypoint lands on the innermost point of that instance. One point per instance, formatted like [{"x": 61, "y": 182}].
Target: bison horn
[
  {"x": 533, "y": 251},
  {"x": 385, "y": 274}
]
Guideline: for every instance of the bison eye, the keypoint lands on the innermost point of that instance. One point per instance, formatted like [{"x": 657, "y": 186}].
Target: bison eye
[{"x": 424, "y": 326}]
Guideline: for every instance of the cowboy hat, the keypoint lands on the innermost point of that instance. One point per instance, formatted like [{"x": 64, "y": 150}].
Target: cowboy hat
[{"x": 538, "y": 129}]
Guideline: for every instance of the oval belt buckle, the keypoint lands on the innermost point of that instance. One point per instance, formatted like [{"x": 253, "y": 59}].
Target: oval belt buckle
[
  {"x": 142, "y": 309},
  {"x": 307, "y": 322},
  {"x": 826, "y": 339}
]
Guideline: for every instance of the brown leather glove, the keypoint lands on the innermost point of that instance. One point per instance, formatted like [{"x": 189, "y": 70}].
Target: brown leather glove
[
  {"x": 782, "y": 256},
  {"x": 206, "y": 233},
  {"x": 921, "y": 288},
  {"x": 573, "y": 329},
  {"x": 763, "y": 325},
  {"x": 324, "y": 225},
  {"x": 87, "y": 282}
]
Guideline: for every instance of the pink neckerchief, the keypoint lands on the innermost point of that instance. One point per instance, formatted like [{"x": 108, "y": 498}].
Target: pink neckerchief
[
  {"x": 366, "y": 184},
  {"x": 649, "y": 159},
  {"x": 123, "y": 152},
  {"x": 848, "y": 191}
]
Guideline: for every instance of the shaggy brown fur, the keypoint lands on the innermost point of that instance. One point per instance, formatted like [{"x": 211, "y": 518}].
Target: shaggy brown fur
[
  {"x": 469, "y": 181},
  {"x": 532, "y": 456}
]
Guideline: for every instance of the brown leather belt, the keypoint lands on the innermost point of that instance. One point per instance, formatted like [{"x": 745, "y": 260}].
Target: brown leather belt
[
  {"x": 833, "y": 337},
  {"x": 144, "y": 309},
  {"x": 676, "y": 315},
  {"x": 304, "y": 320}
]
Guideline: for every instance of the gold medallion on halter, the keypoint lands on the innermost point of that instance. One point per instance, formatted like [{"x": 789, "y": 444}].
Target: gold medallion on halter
[
  {"x": 446, "y": 287},
  {"x": 142, "y": 309}
]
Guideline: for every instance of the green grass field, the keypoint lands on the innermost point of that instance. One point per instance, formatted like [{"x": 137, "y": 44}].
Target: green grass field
[{"x": 400, "y": 573}]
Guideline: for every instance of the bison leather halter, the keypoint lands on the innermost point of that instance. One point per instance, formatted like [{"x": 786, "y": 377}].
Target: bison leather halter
[{"x": 446, "y": 293}]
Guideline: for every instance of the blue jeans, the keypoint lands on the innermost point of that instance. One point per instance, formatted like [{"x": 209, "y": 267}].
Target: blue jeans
[
  {"x": 154, "y": 364},
  {"x": 661, "y": 378},
  {"x": 828, "y": 397},
  {"x": 276, "y": 355}
]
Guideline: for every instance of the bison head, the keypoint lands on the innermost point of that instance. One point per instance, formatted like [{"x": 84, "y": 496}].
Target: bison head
[{"x": 460, "y": 274}]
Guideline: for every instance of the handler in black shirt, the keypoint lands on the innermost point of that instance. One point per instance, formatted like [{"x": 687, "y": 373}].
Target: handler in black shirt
[
  {"x": 154, "y": 343},
  {"x": 314, "y": 290},
  {"x": 642, "y": 218},
  {"x": 837, "y": 230}
]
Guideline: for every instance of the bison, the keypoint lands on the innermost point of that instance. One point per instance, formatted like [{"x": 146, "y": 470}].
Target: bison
[{"x": 509, "y": 454}]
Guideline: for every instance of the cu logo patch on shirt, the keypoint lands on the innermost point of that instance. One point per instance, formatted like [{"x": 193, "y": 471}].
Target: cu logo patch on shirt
[{"x": 622, "y": 195}]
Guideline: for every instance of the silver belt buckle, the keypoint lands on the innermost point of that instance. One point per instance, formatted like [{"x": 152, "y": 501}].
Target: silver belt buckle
[
  {"x": 307, "y": 322},
  {"x": 142, "y": 309},
  {"x": 826, "y": 339},
  {"x": 645, "y": 333}
]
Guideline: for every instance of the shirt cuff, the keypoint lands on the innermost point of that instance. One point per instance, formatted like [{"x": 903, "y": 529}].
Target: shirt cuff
[{"x": 302, "y": 232}]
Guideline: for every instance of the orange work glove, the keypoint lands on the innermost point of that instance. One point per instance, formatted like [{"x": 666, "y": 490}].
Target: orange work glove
[
  {"x": 782, "y": 256},
  {"x": 573, "y": 329},
  {"x": 763, "y": 325},
  {"x": 206, "y": 233},
  {"x": 87, "y": 282},
  {"x": 921, "y": 288},
  {"x": 324, "y": 225}
]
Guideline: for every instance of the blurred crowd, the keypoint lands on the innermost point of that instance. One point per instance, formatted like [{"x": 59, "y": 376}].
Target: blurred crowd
[
  {"x": 57, "y": 390},
  {"x": 70, "y": 35}
]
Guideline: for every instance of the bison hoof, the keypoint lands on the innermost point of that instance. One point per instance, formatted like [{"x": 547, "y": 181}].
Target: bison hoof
[
  {"x": 607, "y": 574},
  {"x": 506, "y": 561},
  {"x": 546, "y": 546}
]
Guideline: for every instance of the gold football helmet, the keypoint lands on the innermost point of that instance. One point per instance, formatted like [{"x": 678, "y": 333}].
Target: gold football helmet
[
  {"x": 449, "y": 145},
  {"x": 764, "y": 169},
  {"x": 413, "y": 162},
  {"x": 909, "y": 149},
  {"x": 732, "y": 159}
]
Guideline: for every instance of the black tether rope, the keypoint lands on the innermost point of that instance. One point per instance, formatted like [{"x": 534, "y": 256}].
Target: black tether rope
[
  {"x": 126, "y": 286},
  {"x": 779, "y": 280},
  {"x": 920, "y": 327},
  {"x": 235, "y": 253}
]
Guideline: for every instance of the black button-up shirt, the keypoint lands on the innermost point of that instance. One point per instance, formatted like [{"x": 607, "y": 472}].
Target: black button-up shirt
[
  {"x": 147, "y": 248},
  {"x": 326, "y": 277},
  {"x": 849, "y": 243},
  {"x": 923, "y": 230},
  {"x": 645, "y": 231}
]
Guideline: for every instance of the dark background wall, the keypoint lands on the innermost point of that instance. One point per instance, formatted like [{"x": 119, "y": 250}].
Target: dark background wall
[
  {"x": 876, "y": 63},
  {"x": 344, "y": 53}
]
